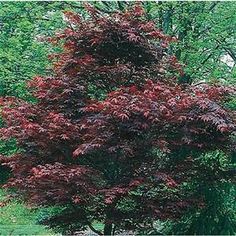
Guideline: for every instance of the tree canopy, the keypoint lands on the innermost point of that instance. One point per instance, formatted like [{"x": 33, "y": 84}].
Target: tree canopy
[
  {"x": 113, "y": 135},
  {"x": 133, "y": 100}
]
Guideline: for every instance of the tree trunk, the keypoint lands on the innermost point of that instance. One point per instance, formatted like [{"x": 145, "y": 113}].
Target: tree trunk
[{"x": 108, "y": 229}]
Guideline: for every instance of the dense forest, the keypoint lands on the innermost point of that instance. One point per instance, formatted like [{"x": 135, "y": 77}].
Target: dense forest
[{"x": 117, "y": 117}]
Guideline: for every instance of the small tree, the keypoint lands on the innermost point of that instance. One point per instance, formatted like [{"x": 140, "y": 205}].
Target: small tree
[{"x": 113, "y": 137}]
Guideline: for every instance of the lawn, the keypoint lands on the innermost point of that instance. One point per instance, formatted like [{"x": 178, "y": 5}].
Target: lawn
[{"x": 17, "y": 219}]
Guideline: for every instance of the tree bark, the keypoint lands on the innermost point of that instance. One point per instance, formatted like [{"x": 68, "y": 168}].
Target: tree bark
[{"x": 108, "y": 229}]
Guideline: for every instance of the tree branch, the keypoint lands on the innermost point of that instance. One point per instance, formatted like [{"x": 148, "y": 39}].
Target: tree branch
[
  {"x": 199, "y": 83},
  {"x": 231, "y": 53},
  {"x": 213, "y": 6},
  {"x": 228, "y": 50},
  {"x": 206, "y": 59}
]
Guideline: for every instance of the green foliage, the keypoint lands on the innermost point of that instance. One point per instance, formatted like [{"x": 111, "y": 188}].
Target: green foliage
[
  {"x": 8, "y": 147},
  {"x": 126, "y": 205},
  {"x": 215, "y": 158},
  {"x": 96, "y": 93},
  {"x": 206, "y": 34},
  {"x": 23, "y": 49},
  {"x": 231, "y": 104},
  {"x": 217, "y": 216}
]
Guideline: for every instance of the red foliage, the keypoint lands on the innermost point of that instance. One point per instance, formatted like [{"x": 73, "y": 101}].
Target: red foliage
[
  {"x": 96, "y": 153},
  {"x": 178, "y": 117}
]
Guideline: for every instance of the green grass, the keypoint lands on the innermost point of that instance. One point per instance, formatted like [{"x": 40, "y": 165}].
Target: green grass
[{"x": 17, "y": 219}]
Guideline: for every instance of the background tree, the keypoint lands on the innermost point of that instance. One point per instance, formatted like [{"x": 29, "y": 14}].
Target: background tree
[
  {"x": 117, "y": 156},
  {"x": 205, "y": 32}
]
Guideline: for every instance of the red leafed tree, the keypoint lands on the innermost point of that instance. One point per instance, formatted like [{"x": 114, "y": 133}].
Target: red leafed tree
[{"x": 113, "y": 137}]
